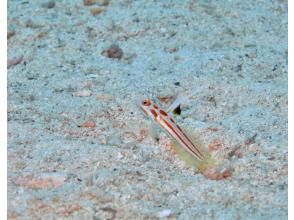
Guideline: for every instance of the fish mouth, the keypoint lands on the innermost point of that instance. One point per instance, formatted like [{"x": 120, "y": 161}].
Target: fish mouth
[{"x": 138, "y": 102}]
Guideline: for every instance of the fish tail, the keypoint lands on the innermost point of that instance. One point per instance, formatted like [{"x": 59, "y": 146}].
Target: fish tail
[{"x": 201, "y": 164}]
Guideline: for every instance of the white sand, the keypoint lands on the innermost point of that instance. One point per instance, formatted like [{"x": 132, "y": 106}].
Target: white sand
[{"x": 231, "y": 55}]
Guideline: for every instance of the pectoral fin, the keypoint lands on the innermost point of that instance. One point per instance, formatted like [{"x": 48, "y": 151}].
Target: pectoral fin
[{"x": 153, "y": 132}]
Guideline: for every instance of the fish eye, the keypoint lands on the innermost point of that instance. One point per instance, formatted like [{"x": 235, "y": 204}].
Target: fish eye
[{"x": 146, "y": 102}]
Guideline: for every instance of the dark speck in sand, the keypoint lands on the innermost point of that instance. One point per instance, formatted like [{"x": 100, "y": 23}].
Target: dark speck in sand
[
  {"x": 275, "y": 67},
  {"x": 114, "y": 52}
]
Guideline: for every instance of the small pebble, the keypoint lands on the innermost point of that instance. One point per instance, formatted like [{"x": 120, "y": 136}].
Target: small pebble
[
  {"x": 216, "y": 174},
  {"x": 113, "y": 52},
  {"x": 164, "y": 213},
  {"x": 41, "y": 34},
  {"x": 88, "y": 124},
  {"x": 170, "y": 49},
  {"x": 96, "y": 10},
  {"x": 165, "y": 99},
  {"x": 49, "y": 4},
  {"x": 215, "y": 145},
  {"x": 83, "y": 93},
  {"x": 14, "y": 61},
  {"x": 89, "y": 2}
]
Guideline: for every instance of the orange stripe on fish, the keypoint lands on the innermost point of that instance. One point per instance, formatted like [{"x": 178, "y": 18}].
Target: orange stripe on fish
[{"x": 162, "y": 118}]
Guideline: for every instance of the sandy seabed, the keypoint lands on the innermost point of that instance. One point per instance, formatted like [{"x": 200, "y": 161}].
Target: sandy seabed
[{"x": 77, "y": 143}]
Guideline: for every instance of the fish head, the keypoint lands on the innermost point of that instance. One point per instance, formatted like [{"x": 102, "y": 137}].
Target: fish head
[{"x": 145, "y": 105}]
